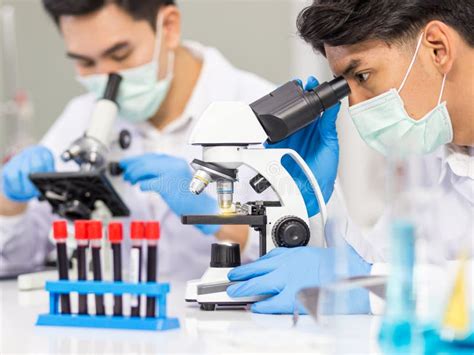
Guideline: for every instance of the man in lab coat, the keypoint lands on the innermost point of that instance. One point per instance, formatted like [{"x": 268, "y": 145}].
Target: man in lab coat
[
  {"x": 409, "y": 64},
  {"x": 166, "y": 85}
]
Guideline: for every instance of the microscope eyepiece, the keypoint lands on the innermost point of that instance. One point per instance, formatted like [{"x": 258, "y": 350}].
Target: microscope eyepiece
[
  {"x": 113, "y": 84},
  {"x": 341, "y": 87},
  {"x": 328, "y": 94},
  {"x": 289, "y": 108}
]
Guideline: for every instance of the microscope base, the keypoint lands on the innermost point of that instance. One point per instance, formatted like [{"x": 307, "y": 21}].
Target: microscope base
[{"x": 210, "y": 291}]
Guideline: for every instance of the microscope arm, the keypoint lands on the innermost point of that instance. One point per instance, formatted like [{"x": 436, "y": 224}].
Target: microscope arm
[
  {"x": 258, "y": 159},
  {"x": 317, "y": 191}
]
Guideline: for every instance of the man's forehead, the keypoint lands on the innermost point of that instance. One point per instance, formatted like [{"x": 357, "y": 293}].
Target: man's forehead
[
  {"x": 109, "y": 20},
  {"x": 109, "y": 26},
  {"x": 340, "y": 58}
]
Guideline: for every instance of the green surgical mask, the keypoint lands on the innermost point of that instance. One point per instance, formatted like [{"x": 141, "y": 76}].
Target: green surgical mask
[
  {"x": 384, "y": 124},
  {"x": 141, "y": 93}
]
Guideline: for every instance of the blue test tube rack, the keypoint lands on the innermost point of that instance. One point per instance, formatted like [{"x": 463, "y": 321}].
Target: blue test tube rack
[{"x": 151, "y": 289}]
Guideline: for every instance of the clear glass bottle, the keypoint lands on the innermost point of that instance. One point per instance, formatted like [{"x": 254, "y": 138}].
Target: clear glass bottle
[{"x": 423, "y": 260}]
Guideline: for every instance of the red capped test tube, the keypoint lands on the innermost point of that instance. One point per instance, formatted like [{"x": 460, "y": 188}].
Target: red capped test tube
[
  {"x": 80, "y": 228},
  {"x": 60, "y": 236},
  {"x": 95, "y": 236},
  {"x": 137, "y": 234},
  {"x": 115, "y": 238},
  {"x": 152, "y": 234}
]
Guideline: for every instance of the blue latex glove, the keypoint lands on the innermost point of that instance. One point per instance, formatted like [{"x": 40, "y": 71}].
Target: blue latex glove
[
  {"x": 15, "y": 181},
  {"x": 318, "y": 145},
  {"x": 283, "y": 272},
  {"x": 170, "y": 177}
]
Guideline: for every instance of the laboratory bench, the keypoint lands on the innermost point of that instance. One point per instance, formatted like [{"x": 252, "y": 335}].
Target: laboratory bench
[{"x": 221, "y": 331}]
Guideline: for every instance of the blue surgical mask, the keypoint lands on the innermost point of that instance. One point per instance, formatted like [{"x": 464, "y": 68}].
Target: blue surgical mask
[
  {"x": 384, "y": 124},
  {"x": 141, "y": 93}
]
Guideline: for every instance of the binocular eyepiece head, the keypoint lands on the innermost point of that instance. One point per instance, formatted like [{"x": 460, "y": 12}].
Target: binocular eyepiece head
[{"x": 290, "y": 108}]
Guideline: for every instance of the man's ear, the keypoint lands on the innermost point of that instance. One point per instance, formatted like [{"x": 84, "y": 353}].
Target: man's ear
[
  {"x": 171, "y": 26},
  {"x": 440, "y": 38}
]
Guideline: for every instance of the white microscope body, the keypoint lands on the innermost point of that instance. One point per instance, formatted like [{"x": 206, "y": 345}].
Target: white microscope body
[
  {"x": 89, "y": 192},
  {"x": 232, "y": 136},
  {"x": 90, "y": 151}
]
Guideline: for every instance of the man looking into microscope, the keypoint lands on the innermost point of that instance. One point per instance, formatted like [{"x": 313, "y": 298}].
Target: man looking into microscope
[
  {"x": 409, "y": 64},
  {"x": 166, "y": 85}
]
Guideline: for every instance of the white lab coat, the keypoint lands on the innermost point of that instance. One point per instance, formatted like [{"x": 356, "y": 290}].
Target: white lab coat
[
  {"x": 448, "y": 221},
  {"x": 447, "y": 224},
  {"x": 184, "y": 251}
]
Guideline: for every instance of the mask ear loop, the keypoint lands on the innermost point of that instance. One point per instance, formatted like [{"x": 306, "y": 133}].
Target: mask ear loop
[
  {"x": 171, "y": 57},
  {"x": 159, "y": 40},
  {"x": 159, "y": 37},
  {"x": 412, "y": 63},
  {"x": 442, "y": 89}
]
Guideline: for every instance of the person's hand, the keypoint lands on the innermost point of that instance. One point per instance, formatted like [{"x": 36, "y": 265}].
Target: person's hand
[
  {"x": 283, "y": 272},
  {"x": 16, "y": 183},
  {"x": 318, "y": 145},
  {"x": 170, "y": 177}
]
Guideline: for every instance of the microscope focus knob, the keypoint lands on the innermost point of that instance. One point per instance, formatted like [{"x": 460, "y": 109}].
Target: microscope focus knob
[
  {"x": 125, "y": 139},
  {"x": 225, "y": 255},
  {"x": 290, "y": 232}
]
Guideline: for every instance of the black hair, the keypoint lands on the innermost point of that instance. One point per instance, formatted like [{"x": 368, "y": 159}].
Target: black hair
[
  {"x": 138, "y": 9},
  {"x": 347, "y": 22}
]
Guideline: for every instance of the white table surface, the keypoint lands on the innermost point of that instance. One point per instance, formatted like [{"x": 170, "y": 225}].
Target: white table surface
[{"x": 230, "y": 331}]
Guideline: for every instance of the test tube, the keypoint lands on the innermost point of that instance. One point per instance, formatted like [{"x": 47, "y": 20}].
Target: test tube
[
  {"x": 137, "y": 234},
  {"x": 152, "y": 233},
  {"x": 95, "y": 237},
  {"x": 60, "y": 236},
  {"x": 115, "y": 238},
  {"x": 80, "y": 228}
]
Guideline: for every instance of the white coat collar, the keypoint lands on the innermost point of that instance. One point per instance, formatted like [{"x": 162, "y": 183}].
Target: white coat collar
[{"x": 460, "y": 160}]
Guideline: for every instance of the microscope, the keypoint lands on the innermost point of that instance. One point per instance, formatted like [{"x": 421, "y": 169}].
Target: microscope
[
  {"x": 88, "y": 192},
  {"x": 231, "y": 135}
]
